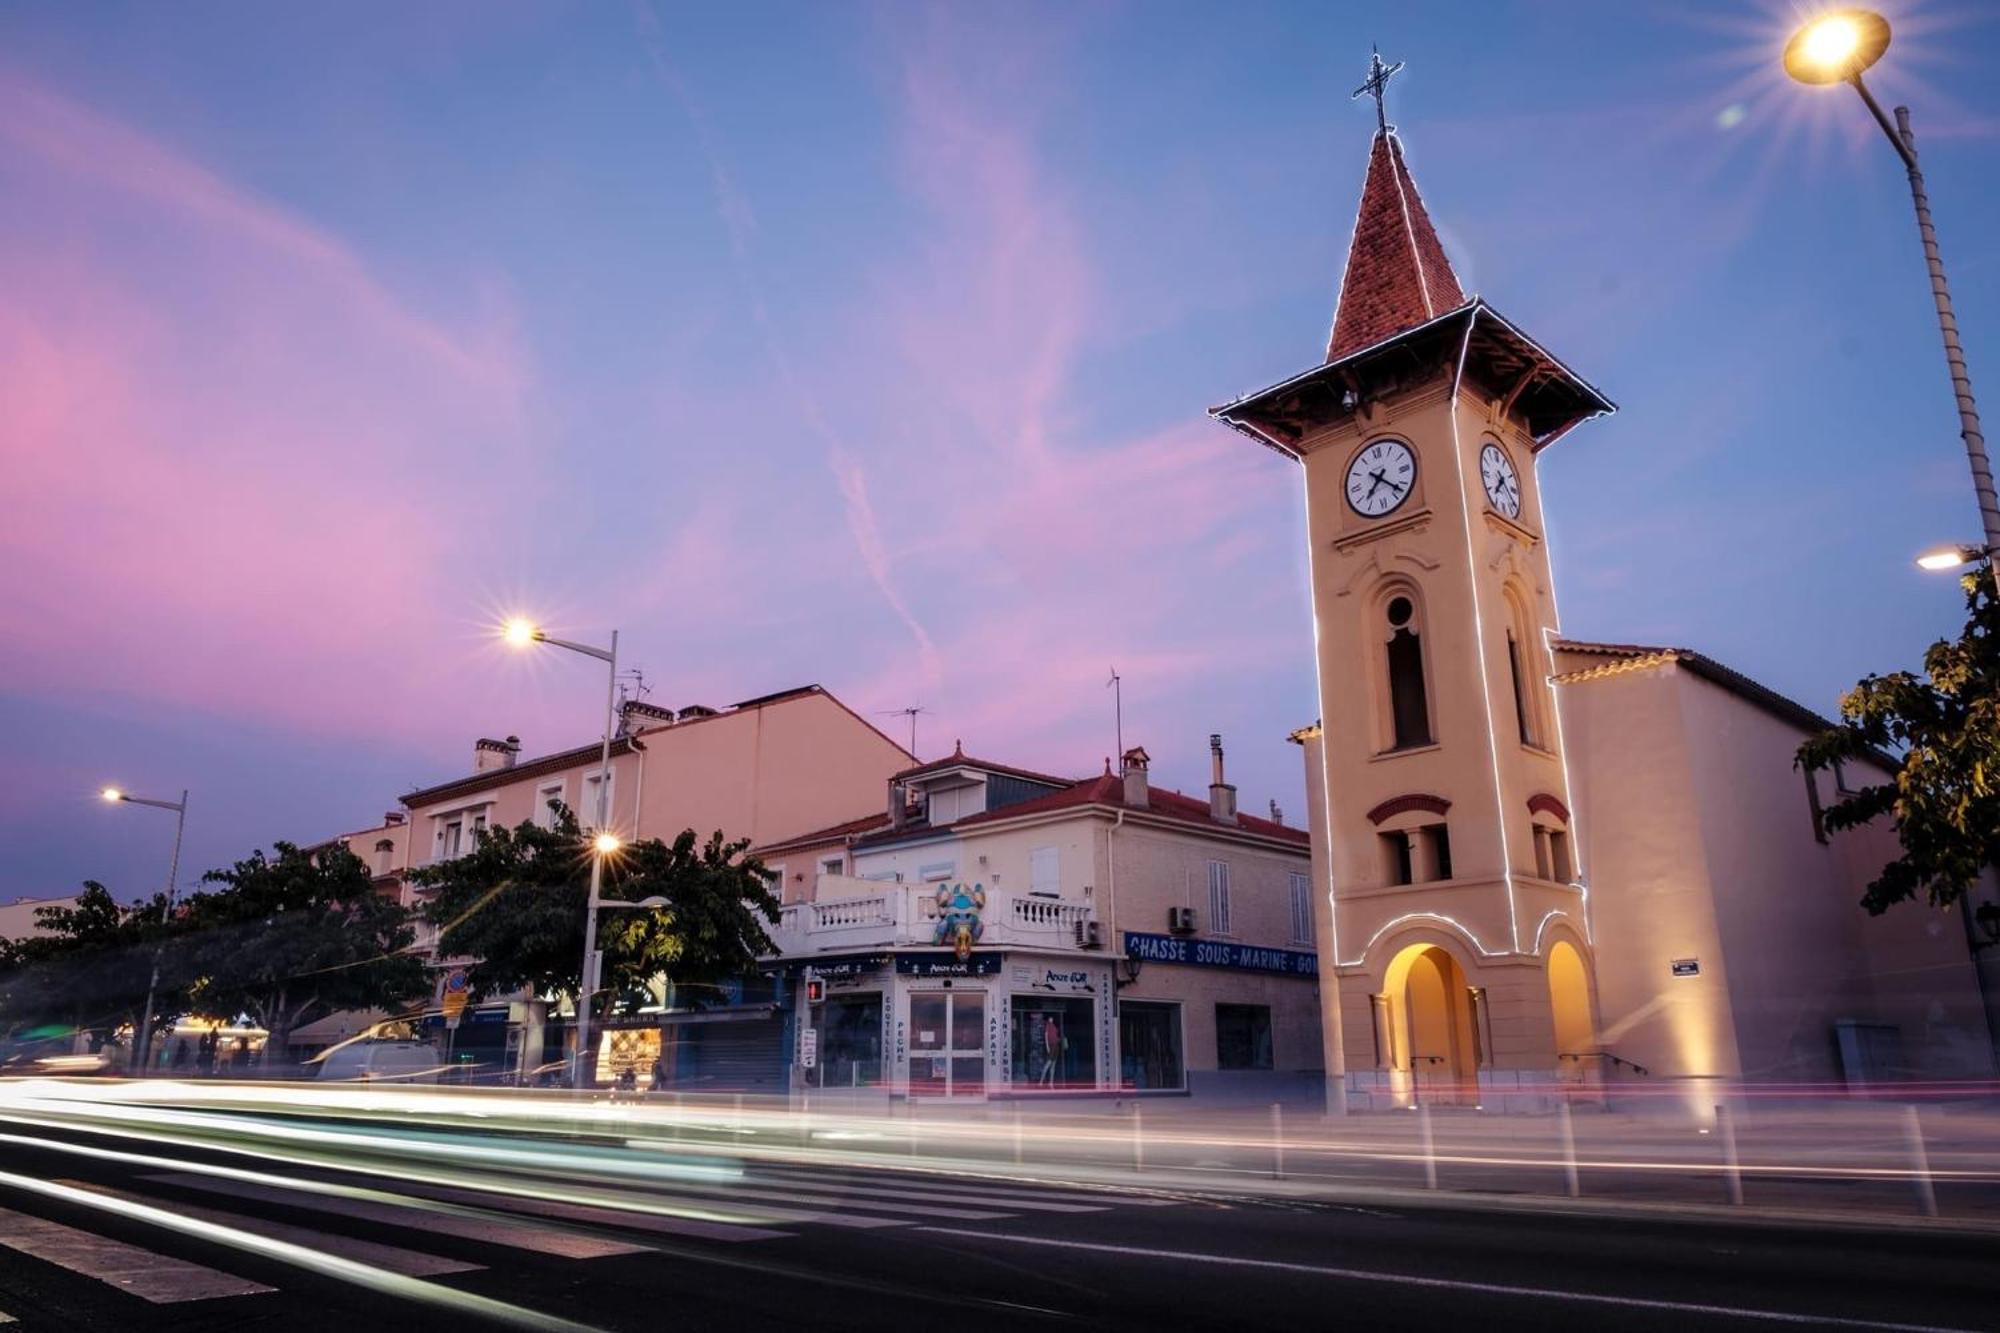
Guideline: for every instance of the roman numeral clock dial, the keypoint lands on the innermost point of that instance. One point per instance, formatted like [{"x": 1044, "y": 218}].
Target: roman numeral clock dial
[
  {"x": 1503, "y": 486},
  {"x": 1380, "y": 477}
]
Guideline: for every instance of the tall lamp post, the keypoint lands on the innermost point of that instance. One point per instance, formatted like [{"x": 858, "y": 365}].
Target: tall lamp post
[
  {"x": 521, "y": 634},
  {"x": 142, "y": 1047},
  {"x": 1836, "y": 48}
]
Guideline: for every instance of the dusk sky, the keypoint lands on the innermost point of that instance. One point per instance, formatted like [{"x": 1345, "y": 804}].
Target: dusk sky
[{"x": 870, "y": 345}]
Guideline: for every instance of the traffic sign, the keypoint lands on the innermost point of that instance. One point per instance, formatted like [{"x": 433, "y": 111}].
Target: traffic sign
[{"x": 808, "y": 1047}]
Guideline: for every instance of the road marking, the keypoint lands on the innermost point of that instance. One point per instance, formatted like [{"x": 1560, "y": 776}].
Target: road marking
[
  {"x": 751, "y": 1197},
  {"x": 1457, "y": 1284},
  {"x": 284, "y": 1252},
  {"x": 1015, "y": 1199},
  {"x": 410, "y": 1263},
  {"x": 412, "y": 1215},
  {"x": 152, "y": 1277},
  {"x": 596, "y": 1216}
]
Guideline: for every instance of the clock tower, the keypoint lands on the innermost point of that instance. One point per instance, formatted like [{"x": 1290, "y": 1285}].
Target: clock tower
[{"x": 1455, "y": 939}]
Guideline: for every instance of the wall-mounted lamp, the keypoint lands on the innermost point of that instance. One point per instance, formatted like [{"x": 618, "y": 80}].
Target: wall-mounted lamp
[{"x": 1128, "y": 971}]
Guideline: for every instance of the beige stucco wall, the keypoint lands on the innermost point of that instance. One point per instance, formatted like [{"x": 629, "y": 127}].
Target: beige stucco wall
[{"x": 1701, "y": 845}]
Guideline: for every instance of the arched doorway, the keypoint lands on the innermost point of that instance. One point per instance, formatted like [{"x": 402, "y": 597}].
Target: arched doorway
[
  {"x": 1433, "y": 1037},
  {"x": 1569, "y": 1004}
]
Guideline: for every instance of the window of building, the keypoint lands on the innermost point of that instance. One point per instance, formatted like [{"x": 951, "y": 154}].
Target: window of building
[
  {"x": 1243, "y": 1036},
  {"x": 1409, "y": 705},
  {"x": 1149, "y": 1045},
  {"x": 1552, "y": 856},
  {"x": 1218, "y": 897},
  {"x": 450, "y": 839},
  {"x": 1302, "y": 909},
  {"x": 591, "y": 781},
  {"x": 548, "y": 799},
  {"x": 1437, "y": 839},
  {"x": 478, "y": 829},
  {"x": 833, "y": 865},
  {"x": 1398, "y": 866},
  {"x": 850, "y": 1041},
  {"x": 1055, "y": 1042},
  {"x": 1045, "y": 872},
  {"x": 775, "y": 877},
  {"x": 1520, "y": 691}
]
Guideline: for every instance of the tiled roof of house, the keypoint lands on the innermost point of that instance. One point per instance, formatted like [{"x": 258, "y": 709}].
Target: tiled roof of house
[
  {"x": 852, "y": 828},
  {"x": 1634, "y": 656},
  {"x": 1108, "y": 789},
  {"x": 958, "y": 758},
  {"x": 1397, "y": 274}
]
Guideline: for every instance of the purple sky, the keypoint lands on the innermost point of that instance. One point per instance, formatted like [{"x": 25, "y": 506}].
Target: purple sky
[{"x": 870, "y": 345}]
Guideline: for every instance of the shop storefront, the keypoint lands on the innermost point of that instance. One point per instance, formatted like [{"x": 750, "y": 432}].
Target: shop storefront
[{"x": 934, "y": 1025}]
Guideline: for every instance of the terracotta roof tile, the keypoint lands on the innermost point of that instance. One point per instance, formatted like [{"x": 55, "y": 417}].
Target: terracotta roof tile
[{"x": 1397, "y": 273}]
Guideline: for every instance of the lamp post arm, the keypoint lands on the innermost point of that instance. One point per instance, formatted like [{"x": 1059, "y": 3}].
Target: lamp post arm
[
  {"x": 601, "y": 654},
  {"x": 1969, "y": 430},
  {"x": 180, "y": 805}
]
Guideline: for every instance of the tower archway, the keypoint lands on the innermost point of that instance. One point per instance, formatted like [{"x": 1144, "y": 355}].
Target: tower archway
[
  {"x": 1569, "y": 1005},
  {"x": 1433, "y": 1037}
]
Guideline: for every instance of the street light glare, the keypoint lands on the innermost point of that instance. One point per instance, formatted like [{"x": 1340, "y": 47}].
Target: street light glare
[
  {"x": 606, "y": 843},
  {"x": 1940, "y": 558},
  {"x": 112, "y": 794},
  {"x": 520, "y": 632},
  {"x": 1837, "y": 45}
]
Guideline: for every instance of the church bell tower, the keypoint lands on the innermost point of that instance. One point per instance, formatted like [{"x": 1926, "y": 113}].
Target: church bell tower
[{"x": 1455, "y": 942}]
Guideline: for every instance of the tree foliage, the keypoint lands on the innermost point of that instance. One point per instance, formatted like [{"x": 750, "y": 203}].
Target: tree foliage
[
  {"x": 90, "y": 966},
  {"x": 293, "y": 937},
  {"x": 1945, "y": 796},
  {"x": 516, "y": 903}
]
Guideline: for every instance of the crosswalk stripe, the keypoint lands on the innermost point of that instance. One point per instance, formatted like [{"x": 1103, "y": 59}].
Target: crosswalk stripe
[
  {"x": 158, "y": 1278},
  {"x": 410, "y": 1263},
  {"x": 413, "y": 1216},
  {"x": 613, "y": 1217},
  {"x": 618, "y": 1216},
  {"x": 753, "y": 1197},
  {"x": 998, "y": 1199}
]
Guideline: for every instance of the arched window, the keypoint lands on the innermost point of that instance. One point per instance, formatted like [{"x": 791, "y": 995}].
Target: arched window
[
  {"x": 1523, "y": 665},
  {"x": 1409, "y": 702}
]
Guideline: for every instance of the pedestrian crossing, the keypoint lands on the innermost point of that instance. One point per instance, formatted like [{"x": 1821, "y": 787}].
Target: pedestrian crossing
[{"x": 421, "y": 1231}]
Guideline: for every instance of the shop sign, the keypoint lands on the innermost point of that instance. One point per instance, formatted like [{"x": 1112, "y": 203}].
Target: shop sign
[
  {"x": 1064, "y": 979},
  {"x": 1218, "y": 953},
  {"x": 946, "y": 965}
]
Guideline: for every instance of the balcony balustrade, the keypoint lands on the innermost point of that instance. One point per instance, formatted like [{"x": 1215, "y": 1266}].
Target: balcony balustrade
[{"x": 849, "y": 913}]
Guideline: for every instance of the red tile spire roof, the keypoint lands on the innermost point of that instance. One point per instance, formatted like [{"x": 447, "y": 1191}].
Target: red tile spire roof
[{"x": 1397, "y": 274}]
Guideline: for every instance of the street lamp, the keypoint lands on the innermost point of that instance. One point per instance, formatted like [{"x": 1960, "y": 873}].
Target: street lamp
[
  {"x": 1953, "y": 556},
  {"x": 521, "y": 633},
  {"x": 142, "y": 1046},
  {"x": 1837, "y": 47}
]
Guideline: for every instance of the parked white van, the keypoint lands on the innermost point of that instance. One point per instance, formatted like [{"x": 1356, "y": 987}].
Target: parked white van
[{"x": 377, "y": 1061}]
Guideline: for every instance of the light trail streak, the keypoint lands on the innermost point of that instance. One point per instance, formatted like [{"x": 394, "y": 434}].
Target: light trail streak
[{"x": 346, "y": 1270}]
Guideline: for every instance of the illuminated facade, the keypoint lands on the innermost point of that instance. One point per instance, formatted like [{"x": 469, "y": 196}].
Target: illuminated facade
[{"x": 1496, "y": 936}]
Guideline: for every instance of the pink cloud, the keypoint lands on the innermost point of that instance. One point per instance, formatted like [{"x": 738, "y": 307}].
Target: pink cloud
[{"x": 243, "y": 475}]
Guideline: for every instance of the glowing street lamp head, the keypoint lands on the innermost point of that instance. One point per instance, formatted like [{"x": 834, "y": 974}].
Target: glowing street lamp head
[
  {"x": 112, "y": 794},
  {"x": 1940, "y": 558},
  {"x": 520, "y": 632},
  {"x": 604, "y": 844},
  {"x": 1837, "y": 45}
]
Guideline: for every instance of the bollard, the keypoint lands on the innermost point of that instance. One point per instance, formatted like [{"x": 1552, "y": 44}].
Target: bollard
[
  {"x": 679, "y": 1121},
  {"x": 805, "y": 1120},
  {"x": 1138, "y": 1140},
  {"x": 1017, "y": 1133},
  {"x": 1430, "y": 1147},
  {"x": 910, "y": 1119},
  {"x": 1732, "y": 1166},
  {"x": 1920, "y": 1162},
  {"x": 1569, "y": 1149},
  {"x": 736, "y": 1117},
  {"x": 1277, "y": 1141}
]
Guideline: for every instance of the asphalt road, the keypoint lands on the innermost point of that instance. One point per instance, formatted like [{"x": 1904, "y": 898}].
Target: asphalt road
[{"x": 127, "y": 1230}]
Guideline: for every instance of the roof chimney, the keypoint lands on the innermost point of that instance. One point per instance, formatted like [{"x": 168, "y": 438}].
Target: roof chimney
[
  {"x": 899, "y": 805},
  {"x": 1221, "y": 796},
  {"x": 489, "y": 754},
  {"x": 635, "y": 716},
  {"x": 1277, "y": 814},
  {"x": 1133, "y": 764}
]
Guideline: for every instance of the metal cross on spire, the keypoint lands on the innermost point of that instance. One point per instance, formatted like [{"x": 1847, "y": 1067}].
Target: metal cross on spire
[{"x": 1379, "y": 75}]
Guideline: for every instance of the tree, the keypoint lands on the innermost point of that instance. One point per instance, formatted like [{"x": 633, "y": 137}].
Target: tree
[
  {"x": 90, "y": 967},
  {"x": 516, "y": 906},
  {"x": 1945, "y": 796},
  {"x": 297, "y": 936}
]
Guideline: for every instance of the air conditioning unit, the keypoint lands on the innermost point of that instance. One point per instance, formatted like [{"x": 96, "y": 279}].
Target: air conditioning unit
[
  {"x": 1087, "y": 936},
  {"x": 1180, "y": 920}
]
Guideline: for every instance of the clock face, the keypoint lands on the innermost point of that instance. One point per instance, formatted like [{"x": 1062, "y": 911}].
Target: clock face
[
  {"x": 1380, "y": 477},
  {"x": 1496, "y": 474}
]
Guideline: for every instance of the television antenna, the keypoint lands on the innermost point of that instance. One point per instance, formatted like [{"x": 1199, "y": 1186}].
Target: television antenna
[
  {"x": 911, "y": 713},
  {"x": 1117, "y": 687}
]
